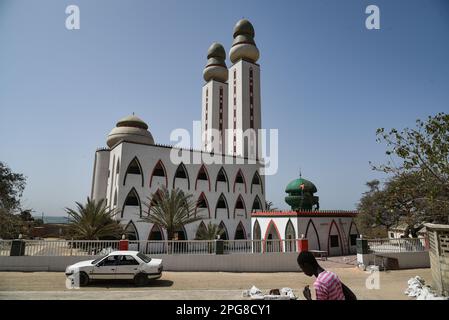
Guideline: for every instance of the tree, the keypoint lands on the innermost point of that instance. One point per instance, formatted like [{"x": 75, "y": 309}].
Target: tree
[
  {"x": 210, "y": 233},
  {"x": 171, "y": 210},
  {"x": 94, "y": 221},
  {"x": 269, "y": 206},
  {"x": 417, "y": 189},
  {"x": 11, "y": 188}
]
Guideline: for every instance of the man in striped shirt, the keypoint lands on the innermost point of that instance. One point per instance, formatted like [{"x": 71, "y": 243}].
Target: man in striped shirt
[{"x": 327, "y": 285}]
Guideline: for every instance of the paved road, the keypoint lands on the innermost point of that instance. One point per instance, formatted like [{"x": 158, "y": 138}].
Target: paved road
[{"x": 198, "y": 285}]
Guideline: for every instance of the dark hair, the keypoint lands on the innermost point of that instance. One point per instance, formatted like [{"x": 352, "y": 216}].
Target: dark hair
[{"x": 307, "y": 257}]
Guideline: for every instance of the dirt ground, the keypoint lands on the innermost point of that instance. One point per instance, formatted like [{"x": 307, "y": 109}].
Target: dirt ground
[{"x": 200, "y": 285}]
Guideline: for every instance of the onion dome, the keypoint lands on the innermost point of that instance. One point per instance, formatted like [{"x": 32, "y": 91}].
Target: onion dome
[
  {"x": 130, "y": 129},
  {"x": 301, "y": 195},
  {"x": 243, "y": 46},
  {"x": 216, "y": 66}
]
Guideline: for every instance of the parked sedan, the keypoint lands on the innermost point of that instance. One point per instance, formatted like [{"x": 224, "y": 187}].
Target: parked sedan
[{"x": 117, "y": 265}]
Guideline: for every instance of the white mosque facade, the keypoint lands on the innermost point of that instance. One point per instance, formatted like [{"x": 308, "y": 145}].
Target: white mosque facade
[{"x": 230, "y": 193}]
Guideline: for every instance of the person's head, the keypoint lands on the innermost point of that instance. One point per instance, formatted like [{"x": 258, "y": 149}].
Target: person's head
[{"x": 307, "y": 263}]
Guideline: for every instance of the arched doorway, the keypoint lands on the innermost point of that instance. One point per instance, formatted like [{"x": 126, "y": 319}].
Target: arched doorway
[
  {"x": 257, "y": 237},
  {"x": 290, "y": 236},
  {"x": 272, "y": 240}
]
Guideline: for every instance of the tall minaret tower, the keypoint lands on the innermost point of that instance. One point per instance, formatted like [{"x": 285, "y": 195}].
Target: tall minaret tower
[
  {"x": 244, "y": 93},
  {"x": 215, "y": 100}
]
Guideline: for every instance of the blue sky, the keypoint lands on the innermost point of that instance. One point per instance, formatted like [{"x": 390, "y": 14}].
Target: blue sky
[{"x": 327, "y": 83}]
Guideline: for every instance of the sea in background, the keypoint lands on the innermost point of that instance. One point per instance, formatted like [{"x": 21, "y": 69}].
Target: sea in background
[{"x": 53, "y": 219}]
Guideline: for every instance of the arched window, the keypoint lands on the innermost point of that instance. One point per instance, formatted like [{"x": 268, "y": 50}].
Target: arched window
[
  {"x": 257, "y": 204},
  {"x": 240, "y": 179},
  {"x": 222, "y": 177},
  {"x": 290, "y": 236},
  {"x": 159, "y": 171},
  {"x": 272, "y": 240},
  {"x": 131, "y": 231},
  {"x": 132, "y": 200},
  {"x": 240, "y": 205},
  {"x": 202, "y": 175},
  {"x": 202, "y": 229},
  {"x": 224, "y": 234},
  {"x": 256, "y": 181},
  {"x": 134, "y": 167},
  {"x": 334, "y": 243},
  {"x": 203, "y": 203},
  {"x": 240, "y": 233},
  {"x": 221, "y": 204},
  {"x": 156, "y": 233},
  {"x": 181, "y": 173},
  {"x": 257, "y": 235}
]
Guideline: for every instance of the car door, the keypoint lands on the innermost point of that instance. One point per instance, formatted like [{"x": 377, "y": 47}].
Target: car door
[
  {"x": 127, "y": 267},
  {"x": 106, "y": 268}
]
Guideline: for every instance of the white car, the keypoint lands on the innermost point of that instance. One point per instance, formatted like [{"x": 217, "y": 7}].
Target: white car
[{"x": 117, "y": 265}]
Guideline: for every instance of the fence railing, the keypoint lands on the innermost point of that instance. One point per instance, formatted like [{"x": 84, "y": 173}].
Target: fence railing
[
  {"x": 151, "y": 247},
  {"x": 397, "y": 245}
]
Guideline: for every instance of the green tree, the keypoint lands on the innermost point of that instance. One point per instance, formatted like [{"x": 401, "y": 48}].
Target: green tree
[
  {"x": 417, "y": 189},
  {"x": 269, "y": 206},
  {"x": 94, "y": 221},
  {"x": 211, "y": 232},
  {"x": 171, "y": 210}
]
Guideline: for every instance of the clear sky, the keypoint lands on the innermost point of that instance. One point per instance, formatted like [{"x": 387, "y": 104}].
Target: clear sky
[{"x": 327, "y": 83}]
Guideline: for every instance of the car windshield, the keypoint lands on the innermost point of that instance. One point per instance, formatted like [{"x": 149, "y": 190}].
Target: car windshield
[
  {"x": 98, "y": 260},
  {"x": 144, "y": 258}
]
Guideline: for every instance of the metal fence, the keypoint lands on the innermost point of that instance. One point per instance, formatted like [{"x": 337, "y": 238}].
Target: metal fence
[
  {"x": 155, "y": 247},
  {"x": 397, "y": 245}
]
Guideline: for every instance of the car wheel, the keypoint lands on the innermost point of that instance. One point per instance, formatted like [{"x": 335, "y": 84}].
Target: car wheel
[
  {"x": 141, "y": 279},
  {"x": 84, "y": 279}
]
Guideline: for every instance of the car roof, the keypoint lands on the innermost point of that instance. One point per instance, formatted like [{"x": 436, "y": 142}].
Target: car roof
[{"x": 123, "y": 252}]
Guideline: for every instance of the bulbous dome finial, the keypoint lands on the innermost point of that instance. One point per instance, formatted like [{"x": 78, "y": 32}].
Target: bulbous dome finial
[
  {"x": 131, "y": 129},
  {"x": 243, "y": 46},
  {"x": 216, "y": 66}
]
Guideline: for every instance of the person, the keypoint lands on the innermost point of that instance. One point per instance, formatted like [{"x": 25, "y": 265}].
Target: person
[{"x": 327, "y": 284}]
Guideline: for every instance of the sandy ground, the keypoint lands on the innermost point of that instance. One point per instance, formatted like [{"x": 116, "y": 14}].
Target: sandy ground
[{"x": 199, "y": 285}]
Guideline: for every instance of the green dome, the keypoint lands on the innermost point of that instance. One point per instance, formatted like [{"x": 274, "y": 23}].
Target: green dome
[{"x": 295, "y": 186}]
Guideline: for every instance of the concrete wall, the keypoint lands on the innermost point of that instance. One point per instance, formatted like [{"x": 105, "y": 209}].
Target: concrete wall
[
  {"x": 406, "y": 260},
  {"x": 269, "y": 262}
]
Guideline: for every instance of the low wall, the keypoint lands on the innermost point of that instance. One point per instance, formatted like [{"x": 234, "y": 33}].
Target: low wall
[
  {"x": 406, "y": 260},
  {"x": 268, "y": 262}
]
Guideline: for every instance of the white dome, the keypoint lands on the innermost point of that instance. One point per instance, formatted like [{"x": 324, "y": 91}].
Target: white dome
[{"x": 130, "y": 129}]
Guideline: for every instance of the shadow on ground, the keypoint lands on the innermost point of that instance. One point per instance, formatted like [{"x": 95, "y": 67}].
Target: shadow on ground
[{"x": 128, "y": 284}]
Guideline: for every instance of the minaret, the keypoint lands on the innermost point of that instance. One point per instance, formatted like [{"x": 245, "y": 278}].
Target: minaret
[
  {"x": 244, "y": 93},
  {"x": 215, "y": 100}
]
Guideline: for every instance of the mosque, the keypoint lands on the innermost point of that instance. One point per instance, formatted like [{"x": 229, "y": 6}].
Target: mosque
[{"x": 231, "y": 191}]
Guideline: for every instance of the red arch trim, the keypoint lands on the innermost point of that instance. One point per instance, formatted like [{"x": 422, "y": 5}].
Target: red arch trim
[
  {"x": 316, "y": 232},
  {"x": 244, "y": 205},
  {"x": 235, "y": 180},
  {"x": 207, "y": 174},
  {"x": 207, "y": 203},
  {"x": 165, "y": 173},
  {"x": 329, "y": 238},
  {"x": 266, "y": 235}
]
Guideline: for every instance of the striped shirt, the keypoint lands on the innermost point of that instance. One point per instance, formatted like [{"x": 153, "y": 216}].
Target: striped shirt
[{"x": 328, "y": 287}]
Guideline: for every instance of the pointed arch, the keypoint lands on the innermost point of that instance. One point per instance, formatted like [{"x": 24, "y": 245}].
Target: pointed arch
[
  {"x": 202, "y": 175},
  {"x": 131, "y": 231},
  {"x": 222, "y": 203},
  {"x": 202, "y": 203},
  {"x": 290, "y": 236},
  {"x": 159, "y": 171},
  {"x": 272, "y": 238},
  {"x": 134, "y": 167},
  {"x": 352, "y": 236},
  {"x": 221, "y": 177},
  {"x": 182, "y": 234},
  {"x": 240, "y": 204},
  {"x": 256, "y": 180},
  {"x": 156, "y": 233},
  {"x": 201, "y": 228},
  {"x": 133, "y": 200},
  {"x": 240, "y": 233},
  {"x": 313, "y": 233},
  {"x": 257, "y": 204},
  {"x": 225, "y": 234},
  {"x": 256, "y": 235},
  {"x": 181, "y": 173},
  {"x": 340, "y": 244},
  {"x": 239, "y": 178}
]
